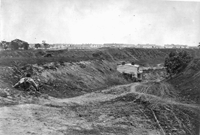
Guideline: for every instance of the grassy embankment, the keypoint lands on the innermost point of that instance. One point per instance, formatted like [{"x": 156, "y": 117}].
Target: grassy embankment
[
  {"x": 143, "y": 56},
  {"x": 73, "y": 72},
  {"x": 65, "y": 74}
]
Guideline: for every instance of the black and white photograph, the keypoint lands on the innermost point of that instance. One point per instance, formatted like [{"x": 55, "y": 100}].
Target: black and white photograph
[{"x": 99, "y": 67}]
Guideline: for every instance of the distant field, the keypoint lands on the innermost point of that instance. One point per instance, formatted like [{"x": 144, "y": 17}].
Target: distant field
[{"x": 138, "y": 55}]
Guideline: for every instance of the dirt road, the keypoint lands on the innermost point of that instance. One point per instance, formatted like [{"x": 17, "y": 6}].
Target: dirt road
[
  {"x": 55, "y": 116},
  {"x": 117, "y": 91},
  {"x": 48, "y": 117},
  {"x": 104, "y": 95},
  {"x": 165, "y": 100}
]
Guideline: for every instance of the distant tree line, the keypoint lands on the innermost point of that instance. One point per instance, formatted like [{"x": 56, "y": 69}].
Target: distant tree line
[
  {"x": 14, "y": 45},
  {"x": 19, "y": 44},
  {"x": 4, "y": 45},
  {"x": 43, "y": 45}
]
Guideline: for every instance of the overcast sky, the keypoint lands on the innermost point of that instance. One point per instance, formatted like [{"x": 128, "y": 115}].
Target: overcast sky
[{"x": 101, "y": 21}]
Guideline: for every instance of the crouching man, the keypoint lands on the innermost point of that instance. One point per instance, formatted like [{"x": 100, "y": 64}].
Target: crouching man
[{"x": 26, "y": 83}]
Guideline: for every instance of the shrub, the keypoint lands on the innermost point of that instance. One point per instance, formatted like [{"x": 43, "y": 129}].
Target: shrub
[
  {"x": 26, "y": 46},
  {"x": 176, "y": 62},
  {"x": 37, "y": 46},
  {"x": 123, "y": 63},
  {"x": 14, "y": 45}
]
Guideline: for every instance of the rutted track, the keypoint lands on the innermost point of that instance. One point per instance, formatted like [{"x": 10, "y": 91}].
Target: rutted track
[
  {"x": 101, "y": 96},
  {"x": 118, "y": 91},
  {"x": 53, "y": 117}
]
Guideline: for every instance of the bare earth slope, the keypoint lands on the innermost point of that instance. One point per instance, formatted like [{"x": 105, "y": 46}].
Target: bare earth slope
[
  {"x": 56, "y": 116},
  {"x": 86, "y": 114}
]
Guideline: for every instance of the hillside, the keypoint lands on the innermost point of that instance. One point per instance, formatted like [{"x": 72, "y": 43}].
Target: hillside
[
  {"x": 67, "y": 79},
  {"x": 187, "y": 82},
  {"x": 142, "y": 56},
  {"x": 73, "y": 72},
  {"x": 187, "y": 85},
  {"x": 82, "y": 93}
]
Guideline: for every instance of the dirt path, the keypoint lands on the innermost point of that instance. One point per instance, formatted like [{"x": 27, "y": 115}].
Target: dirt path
[
  {"x": 165, "y": 100},
  {"x": 48, "y": 118},
  {"x": 53, "y": 117},
  {"x": 29, "y": 119},
  {"x": 104, "y": 95},
  {"x": 117, "y": 91}
]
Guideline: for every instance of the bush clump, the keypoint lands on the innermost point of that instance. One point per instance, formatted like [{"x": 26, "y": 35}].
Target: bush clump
[{"x": 176, "y": 62}]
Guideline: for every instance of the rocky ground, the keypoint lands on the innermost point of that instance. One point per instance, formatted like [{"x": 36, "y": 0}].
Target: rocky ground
[{"x": 113, "y": 111}]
